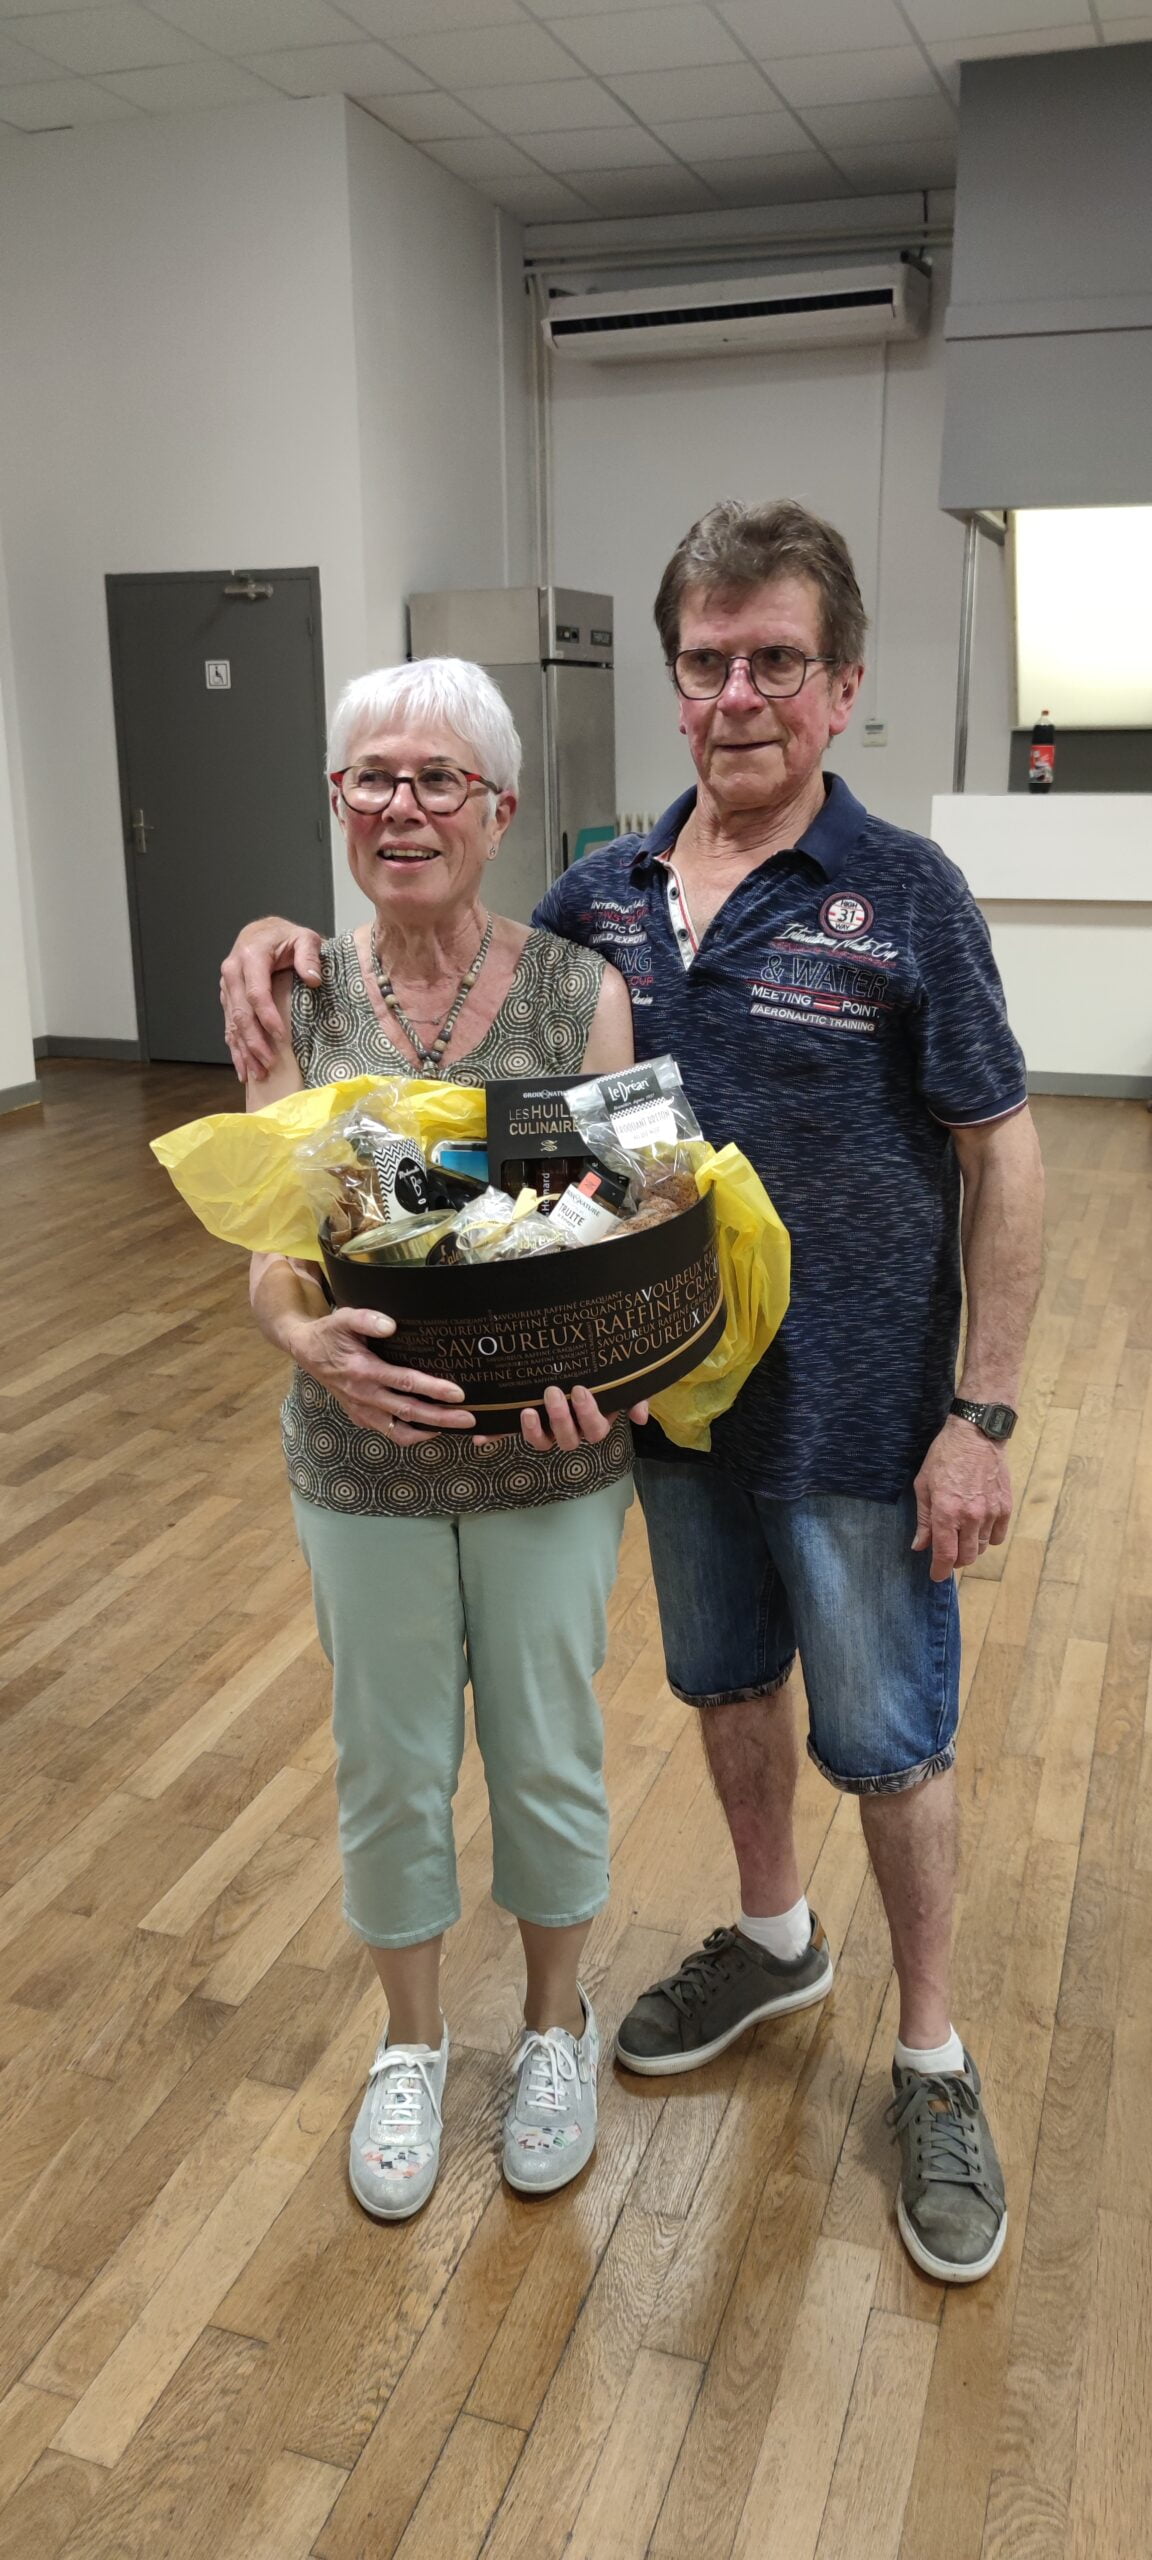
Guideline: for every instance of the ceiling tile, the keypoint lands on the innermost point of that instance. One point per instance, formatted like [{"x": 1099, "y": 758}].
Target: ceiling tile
[
  {"x": 486, "y": 57},
  {"x": 489, "y": 156},
  {"x": 184, "y": 87},
  {"x": 624, "y": 146},
  {"x": 323, "y": 70},
  {"x": 830, "y": 79},
  {"x": 547, "y": 106},
  {"x": 802, "y": 178},
  {"x": 427, "y": 117},
  {"x": 773, "y": 29},
  {"x": 729, "y": 89},
  {"x": 390, "y": 18},
  {"x": 16, "y": 9},
  {"x": 843, "y": 129},
  {"x": 42, "y": 105},
  {"x": 553, "y": 9},
  {"x": 898, "y": 166},
  {"x": 537, "y": 199},
  {"x": 18, "y": 62},
  {"x": 708, "y": 138},
  {"x": 936, "y": 18},
  {"x": 1124, "y": 30},
  {"x": 120, "y": 39},
  {"x": 636, "y": 39},
  {"x": 645, "y": 191},
  {"x": 253, "y": 26}
]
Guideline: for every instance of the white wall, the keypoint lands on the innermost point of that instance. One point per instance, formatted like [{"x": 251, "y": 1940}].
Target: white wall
[
  {"x": 211, "y": 329},
  {"x": 18, "y": 955},
  {"x": 441, "y": 357},
  {"x": 640, "y": 450}
]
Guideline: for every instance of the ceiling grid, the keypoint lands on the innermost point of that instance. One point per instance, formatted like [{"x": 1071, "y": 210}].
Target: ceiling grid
[{"x": 568, "y": 110}]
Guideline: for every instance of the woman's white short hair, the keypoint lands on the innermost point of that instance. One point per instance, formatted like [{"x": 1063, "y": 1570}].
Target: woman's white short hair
[{"x": 450, "y": 691}]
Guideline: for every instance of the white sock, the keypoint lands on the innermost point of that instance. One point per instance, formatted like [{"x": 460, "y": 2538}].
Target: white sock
[
  {"x": 933, "y": 2057},
  {"x": 785, "y": 1934}
]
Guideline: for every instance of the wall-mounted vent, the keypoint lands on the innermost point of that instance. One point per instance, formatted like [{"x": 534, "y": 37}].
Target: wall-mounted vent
[{"x": 827, "y": 307}]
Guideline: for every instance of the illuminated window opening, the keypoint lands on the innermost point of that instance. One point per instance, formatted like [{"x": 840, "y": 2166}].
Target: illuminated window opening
[{"x": 1083, "y": 580}]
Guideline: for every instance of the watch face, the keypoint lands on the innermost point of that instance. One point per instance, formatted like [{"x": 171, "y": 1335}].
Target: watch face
[{"x": 996, "y": 1421}]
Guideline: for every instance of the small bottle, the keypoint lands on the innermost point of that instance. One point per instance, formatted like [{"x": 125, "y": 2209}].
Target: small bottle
[
  {"x": 1042, "y": 755},
  {"x": 549, "y": 1175}
]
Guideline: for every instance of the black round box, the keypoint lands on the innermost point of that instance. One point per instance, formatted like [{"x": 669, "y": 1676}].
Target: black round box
[{"x": 624, "y": 1318}]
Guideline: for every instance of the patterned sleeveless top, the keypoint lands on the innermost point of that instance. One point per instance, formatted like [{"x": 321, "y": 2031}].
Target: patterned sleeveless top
[{"x": 542, "y": 1028}]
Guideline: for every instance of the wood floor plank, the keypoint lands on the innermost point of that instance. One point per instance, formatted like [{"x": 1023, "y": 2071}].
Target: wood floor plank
[
  {"x": 78, "y": 2350},
  {"x": 784, "y": 2509},
  {"x": 464, "y": 2492},
  {"x": 121, "y": 2394},
  {"x": 1112, "y": 2485},
  {"x": 626, "y": 2488},
  {"x": 288, "y": 2510},
  {"x": 194, "y": 1893},
  {"x": 864, "y": 2516}
]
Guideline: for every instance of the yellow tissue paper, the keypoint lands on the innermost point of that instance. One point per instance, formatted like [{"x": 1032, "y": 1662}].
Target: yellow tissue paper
[
  {"x": 755, "y": 1256},
  {"x": 238, "y": 1170}
]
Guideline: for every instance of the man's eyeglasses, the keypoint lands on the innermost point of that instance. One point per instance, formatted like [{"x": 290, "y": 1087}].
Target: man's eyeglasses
[
  {"x": 777, "y": 672},
  {"x": 438, "y": 789}
]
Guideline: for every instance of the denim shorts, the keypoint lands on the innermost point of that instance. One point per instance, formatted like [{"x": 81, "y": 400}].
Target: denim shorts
[{"x": 744, "y": 1583}]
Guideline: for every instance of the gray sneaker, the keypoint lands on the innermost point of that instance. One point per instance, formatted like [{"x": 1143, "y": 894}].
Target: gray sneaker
[
  {"x": 394, "y": 2153},
  {"x": 550, "y": 2127},
  {"x": 950, "y": 2207},
  {"x": 727, "y": 1986}
]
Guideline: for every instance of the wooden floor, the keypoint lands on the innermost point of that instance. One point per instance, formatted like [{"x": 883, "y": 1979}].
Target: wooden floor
[{"x": 712, "y": 2347}]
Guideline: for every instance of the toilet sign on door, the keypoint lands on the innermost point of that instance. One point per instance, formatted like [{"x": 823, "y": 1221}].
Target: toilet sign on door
[{"x": 218, "y": 674}]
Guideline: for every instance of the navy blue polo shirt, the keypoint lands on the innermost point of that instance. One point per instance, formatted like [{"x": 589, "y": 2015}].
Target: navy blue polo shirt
[{"x": 842, "y": 1012}]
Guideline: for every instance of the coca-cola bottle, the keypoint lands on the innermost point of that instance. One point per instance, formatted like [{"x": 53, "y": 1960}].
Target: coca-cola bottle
[{"x": 1042, "y": 754}]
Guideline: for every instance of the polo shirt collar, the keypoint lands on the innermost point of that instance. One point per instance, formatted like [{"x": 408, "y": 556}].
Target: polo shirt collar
[{"x": 828, "y": 842}]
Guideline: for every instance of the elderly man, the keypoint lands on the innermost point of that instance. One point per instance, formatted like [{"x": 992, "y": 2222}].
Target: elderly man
[{"x": 826, "y": 982}]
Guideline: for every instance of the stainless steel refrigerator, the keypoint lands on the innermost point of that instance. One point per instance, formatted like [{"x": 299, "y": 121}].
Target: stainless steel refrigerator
[{"x": 549, "y": 649}]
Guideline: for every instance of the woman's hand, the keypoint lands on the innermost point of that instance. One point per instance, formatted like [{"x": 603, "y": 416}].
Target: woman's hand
[
  {"x": 402, "y": 1404},
  {"x": 574, "y": 1422}
]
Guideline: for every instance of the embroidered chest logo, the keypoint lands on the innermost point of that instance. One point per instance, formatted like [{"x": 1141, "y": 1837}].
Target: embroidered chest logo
[{"x": 846, "y": 915}]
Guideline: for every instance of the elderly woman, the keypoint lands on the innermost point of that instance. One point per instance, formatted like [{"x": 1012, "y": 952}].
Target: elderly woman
[{"x": 436, "y": 1556}]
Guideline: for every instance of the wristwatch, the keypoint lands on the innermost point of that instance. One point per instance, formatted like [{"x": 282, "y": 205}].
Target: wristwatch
[{"x": 996, "y": 1421}]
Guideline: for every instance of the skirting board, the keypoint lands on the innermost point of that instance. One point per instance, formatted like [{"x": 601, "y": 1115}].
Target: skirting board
[
  {"x": 1124, "y": 1088},
  {"x": 58, "y": 1044},
  {"x": 19, "y": 1097}
]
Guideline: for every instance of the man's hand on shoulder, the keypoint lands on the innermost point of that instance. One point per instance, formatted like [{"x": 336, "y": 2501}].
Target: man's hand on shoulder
[
  {"x": 252, "y": 1024},
  {"x": 963, "y": 1498}
]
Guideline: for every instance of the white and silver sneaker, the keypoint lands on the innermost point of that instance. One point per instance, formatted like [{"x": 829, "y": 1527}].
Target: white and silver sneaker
[
  {"x": 394, "y": 2153},
  {"x": 550, "y": 2127}
]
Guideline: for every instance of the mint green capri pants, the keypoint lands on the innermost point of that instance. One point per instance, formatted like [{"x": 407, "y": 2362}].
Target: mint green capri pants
[{"x": 408, "y": 1611}]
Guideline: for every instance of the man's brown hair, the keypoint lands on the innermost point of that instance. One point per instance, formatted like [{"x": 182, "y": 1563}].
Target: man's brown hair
[{"x": 734, "y": 549}]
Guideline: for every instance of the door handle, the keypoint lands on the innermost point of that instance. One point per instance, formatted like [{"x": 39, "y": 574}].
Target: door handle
[{"x": 140, "y": 832}]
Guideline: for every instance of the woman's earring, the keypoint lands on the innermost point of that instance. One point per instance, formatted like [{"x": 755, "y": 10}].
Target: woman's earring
[{"x": 493, "y": 850}]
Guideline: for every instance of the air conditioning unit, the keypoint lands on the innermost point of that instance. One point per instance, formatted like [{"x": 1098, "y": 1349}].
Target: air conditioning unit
[{"x": 744, "y": 315}]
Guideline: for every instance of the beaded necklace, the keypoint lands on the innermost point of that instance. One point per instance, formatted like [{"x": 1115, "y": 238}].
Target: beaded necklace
[{"x": 430, "y": 1056}]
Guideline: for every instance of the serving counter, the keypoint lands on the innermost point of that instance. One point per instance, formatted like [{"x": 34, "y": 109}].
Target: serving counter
[{"x": 1066, "y": 886}]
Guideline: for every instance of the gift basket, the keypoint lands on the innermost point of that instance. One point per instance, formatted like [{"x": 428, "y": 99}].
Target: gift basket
[{"x": 566, "y": 1234}]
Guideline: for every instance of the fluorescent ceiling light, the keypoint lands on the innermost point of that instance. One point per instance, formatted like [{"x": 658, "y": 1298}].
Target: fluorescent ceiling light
[{"x": 1083, "y": 617}]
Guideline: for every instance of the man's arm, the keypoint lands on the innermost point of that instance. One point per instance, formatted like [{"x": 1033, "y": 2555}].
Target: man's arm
[
  {"x": 252, "y": 1025},
  {"x": 963, "y": 1490}
]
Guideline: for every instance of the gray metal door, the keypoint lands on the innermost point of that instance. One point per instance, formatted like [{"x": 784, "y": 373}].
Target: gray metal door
[{"x": 219, "y": 693}]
